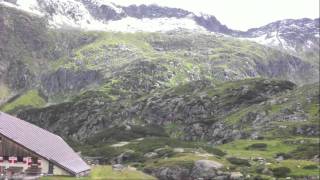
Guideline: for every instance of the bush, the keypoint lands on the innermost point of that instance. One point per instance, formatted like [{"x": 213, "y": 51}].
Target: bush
[
  {"x": 165, "y": 152},
  {"x": 215, "y": 151},
  {"x": 311, "y": 167},
  {"x": 120, "y": 133},
  {"x": 306, "y": 151},
  {"x": 257, "y": 146},
  {"x": 133, "y": 157},
  {"x": 238, "y": 161},
  {"x": 281, "y": 171}
]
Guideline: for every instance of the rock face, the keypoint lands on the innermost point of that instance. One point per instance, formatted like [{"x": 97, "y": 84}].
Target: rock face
[
  {"x": 202, "y": 169},
  {"x": 198, "y": 115},
  {"x": 171, "y": 173},
  {"x": 64, "y": 80},
  {"x": 154, "y": 11},
  {"x": 290, "y": 34}
]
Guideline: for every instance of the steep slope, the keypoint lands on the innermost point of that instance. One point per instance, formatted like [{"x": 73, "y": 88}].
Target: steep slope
[
  {"x": 298, "y": 37},
  {"x": 59, "y": 63},
  {"x": 198, "y": 111},
  {"x": 290, "y": 34},
  {"x": 27, "y": 47}
]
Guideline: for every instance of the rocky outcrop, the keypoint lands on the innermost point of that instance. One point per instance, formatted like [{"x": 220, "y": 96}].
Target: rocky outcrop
[
  {"x": 66, "y": 80},
  {"x": 201, "y": 169},
  {"x": 206, "y": 169},
  {"x": 170, "y": 173},
  {"x": 198, "y": 115},
  {"x": 19, "y": 77},
  {"x": 154, "y": 11},
  {"x": 103, "y": 11}
]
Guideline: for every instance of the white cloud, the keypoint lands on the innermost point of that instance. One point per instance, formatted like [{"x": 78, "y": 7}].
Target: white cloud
[{"x": 243, "y": 14}]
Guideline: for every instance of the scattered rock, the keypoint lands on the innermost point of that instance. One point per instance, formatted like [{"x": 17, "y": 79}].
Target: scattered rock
[
  {"x": 205, "y": 169},
  {"x": 236, "y": 175},
  {"x": 118, "y": 167},
  {"x": 151, "y": 155},
  {"x": 120, "y": 144}
]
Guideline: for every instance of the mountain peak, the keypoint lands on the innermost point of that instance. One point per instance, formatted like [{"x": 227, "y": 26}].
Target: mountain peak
[{"x": 106, "y": 15}]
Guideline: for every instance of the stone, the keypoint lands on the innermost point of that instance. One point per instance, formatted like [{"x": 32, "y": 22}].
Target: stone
[
  {"x": 150, "y": 155},
  {"x": 205, "y": 169},
  {"x": 236, "y": 175},
  {"x": 280, "y": 158},
  {"x": 118, "y": 167}
]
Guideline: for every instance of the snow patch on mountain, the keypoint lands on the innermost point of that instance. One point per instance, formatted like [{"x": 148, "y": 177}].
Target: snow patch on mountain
[
  {"x": 271, "y": 40},
  {"x": 130, "y": 24},
  {"x": 70, "y": 13},
  {"x": 29, "y": 6}
]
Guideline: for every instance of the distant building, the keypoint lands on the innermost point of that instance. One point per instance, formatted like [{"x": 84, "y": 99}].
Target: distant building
[{"x": 29, "y": 150}]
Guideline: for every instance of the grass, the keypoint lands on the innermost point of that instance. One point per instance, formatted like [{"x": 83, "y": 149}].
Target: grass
[
  {"x": 4, "y": 92},
  {"x": 239, "y": 148},
  {"x": 183, "y": 159},
  {"x": 29, "y": 99},
  {"x": 296, "y": 167},
  {"x": 106, "y": 173}
]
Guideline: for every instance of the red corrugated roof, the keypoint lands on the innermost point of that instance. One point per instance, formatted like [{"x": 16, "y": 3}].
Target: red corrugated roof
[{"x": 42, "y": 142}]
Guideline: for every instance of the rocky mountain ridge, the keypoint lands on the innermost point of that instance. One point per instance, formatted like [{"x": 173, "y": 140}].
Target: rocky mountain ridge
[{"x": 292, "y": 35}]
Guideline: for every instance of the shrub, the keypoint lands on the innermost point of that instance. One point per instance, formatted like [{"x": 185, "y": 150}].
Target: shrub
[
  {"x": 281, "y": 171},
  {"x": 306, "y": 151},
  {"x": 165, "y": 152},
  {"x": 238, "y": 161},
  {"x": 311, "y": 167},
  {"x": 133, "y": 157},
  {"x": 257, "y": 146},
  {"x": 215, "y": 151}
]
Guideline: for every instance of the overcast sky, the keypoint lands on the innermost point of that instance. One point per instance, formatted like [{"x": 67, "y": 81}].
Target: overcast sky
[{"x": 243, "y": 14}]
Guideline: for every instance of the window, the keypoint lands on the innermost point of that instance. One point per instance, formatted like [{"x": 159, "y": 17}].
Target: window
[
  {"x": 6, "y": 158},
  {"x": 34, "y": 160},
  {"x": 20, "y": 159}
]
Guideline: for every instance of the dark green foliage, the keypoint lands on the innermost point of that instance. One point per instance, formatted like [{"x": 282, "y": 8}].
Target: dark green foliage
[
  {"x": 257, "y": 146},
  {"x": 104, "y": 152},
  {"x": 238, "y": 161},
  {"x": 259, "y": 178},
  {"x": 133, "y": 157},
  {"x": 214, "y": 151},
  {"x": 281, "y": 171},
  {"x": 306, "y": 151},
  {"x": 122, "y": 134},
  {"x": 311, "y": 167},
  {"x": 165, "y": 152}
]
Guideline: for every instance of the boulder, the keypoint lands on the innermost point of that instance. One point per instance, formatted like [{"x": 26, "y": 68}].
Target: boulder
[
  {"x": 170, "y": 173},
  {"x": 236, "y": 175},
  {"x": 205, "y": 169},
  {"x": 118, "y": 167}
]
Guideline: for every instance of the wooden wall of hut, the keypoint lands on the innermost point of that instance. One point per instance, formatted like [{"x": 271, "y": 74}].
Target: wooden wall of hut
[{"x": 10, "y": 148}]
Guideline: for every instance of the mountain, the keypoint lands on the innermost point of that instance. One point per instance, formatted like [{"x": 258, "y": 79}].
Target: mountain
[
  {"x": 165, "y": 101},
  {"x": 293, "y": 35},
  {"x": 300, "y": 37}
]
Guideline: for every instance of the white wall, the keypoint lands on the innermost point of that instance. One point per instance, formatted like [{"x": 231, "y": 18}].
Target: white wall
[{"x": 44, "y": 167}]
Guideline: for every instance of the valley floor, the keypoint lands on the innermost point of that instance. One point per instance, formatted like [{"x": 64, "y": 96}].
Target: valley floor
[{"x": 106, "y": 172}]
